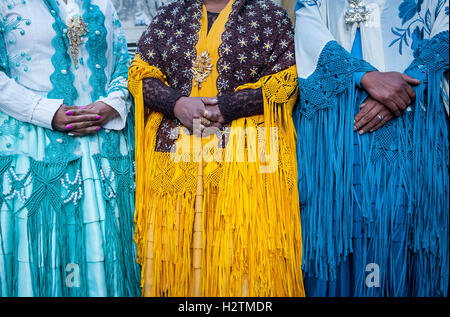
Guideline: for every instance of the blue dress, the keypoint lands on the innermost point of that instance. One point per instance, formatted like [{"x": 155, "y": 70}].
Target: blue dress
[
  {"x": 352, "y": 272},
  {"x": 374, "y": 208}
]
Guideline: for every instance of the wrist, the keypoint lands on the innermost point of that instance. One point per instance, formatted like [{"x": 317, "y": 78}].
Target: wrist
[
  {"x": 365, "y": 79},
  {"x": 179, "y": 104}
]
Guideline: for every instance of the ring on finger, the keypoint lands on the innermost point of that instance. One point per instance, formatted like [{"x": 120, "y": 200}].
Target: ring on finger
[
  {"x": 205, "y": 122},
  {"x": 381, "y": 117},
  {"x": 205, "y": 113}
]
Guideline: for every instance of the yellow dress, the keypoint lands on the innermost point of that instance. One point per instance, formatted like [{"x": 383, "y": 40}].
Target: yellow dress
[{"x": 213, "y": 222}]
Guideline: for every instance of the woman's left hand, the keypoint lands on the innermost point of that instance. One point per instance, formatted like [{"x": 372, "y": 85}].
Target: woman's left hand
[
  {"x": 372, "y": 116},
  {"x": 105, "y": 112}
]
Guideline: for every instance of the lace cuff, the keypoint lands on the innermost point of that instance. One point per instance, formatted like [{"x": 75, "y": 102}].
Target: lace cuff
[
  {"x": 159, "y": 97},
  {"x": 244, "y": 103},
  {"x": 334, "y": 74},
  {"x": 433, "y": 57}
]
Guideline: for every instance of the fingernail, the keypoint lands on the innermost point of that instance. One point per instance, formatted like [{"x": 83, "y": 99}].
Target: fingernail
[
  {"x": 69, "y": 113},
  {"x": 354, "y": 128},
  {"x": 371, "y": 130},
  {"x": 361, "y": 132},
  {"x": 98, "y": 128},
  {"x": 98, "y": 117},
  {"x": 68, "y": 127},
  {"x": 83, "y": 107}
]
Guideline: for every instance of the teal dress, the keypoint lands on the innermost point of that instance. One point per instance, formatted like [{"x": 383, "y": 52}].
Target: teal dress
[{"x": 66, "y": 203}]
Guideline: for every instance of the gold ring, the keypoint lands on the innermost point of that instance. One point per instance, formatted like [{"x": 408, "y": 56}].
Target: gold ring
[
  {"x": 205, "y": 114},
  {"x": 205, "y": 122}
]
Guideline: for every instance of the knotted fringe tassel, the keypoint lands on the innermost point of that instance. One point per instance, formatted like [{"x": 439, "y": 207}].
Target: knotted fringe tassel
[
  {"x": 259, "y": 220},
  {"x": 430, "y": 191},
  {"x": 403, "y": 196},
  {"x": 120, "y": 266},
  {"x": 138, "y": 71},
  {"x": 125, "y": 207},
  {"x": 6, "y": 220},
  {"x": 327, "y": 226},
  {"x": 55, "y": 234}
]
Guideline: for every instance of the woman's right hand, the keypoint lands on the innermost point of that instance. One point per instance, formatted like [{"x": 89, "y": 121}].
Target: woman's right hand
[
  {"x": 68, "y": 118},
  {"x": 391, "y": 89}
]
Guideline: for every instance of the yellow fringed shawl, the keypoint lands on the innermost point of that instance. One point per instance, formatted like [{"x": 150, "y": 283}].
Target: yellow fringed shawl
[{"x": 224, "y": 227}]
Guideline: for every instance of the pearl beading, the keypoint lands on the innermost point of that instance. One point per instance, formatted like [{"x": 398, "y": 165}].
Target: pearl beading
[
  {"x": 12, "y": 191},
  {"x": 107, "y": 178},
  {"x": 74, "y": 195}
]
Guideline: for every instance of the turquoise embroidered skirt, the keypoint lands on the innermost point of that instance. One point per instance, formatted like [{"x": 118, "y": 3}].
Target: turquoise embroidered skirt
[{"x": 66, "y": 218}]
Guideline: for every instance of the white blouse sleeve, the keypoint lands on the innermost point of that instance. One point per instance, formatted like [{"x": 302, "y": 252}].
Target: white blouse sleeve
[
  {"x": 118, "y": 95},
  {"x": 24, "y": 105}
]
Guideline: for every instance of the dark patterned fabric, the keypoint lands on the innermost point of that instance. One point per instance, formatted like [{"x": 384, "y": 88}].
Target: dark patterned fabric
[
  {"x": 258, "y": 41},
  {"x": 159, "y": 97},
  {"x": 244, "y": 103}
]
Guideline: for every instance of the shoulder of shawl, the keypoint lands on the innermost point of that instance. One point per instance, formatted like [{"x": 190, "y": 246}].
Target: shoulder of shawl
[
  {"x": 166, "y": 12},
  {"x": 267, "y": 7}
]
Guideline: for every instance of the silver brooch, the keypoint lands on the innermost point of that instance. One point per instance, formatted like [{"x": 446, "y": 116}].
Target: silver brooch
[
  {"x": 76, "y": 29},
  {"x": 356, "y": 12}
]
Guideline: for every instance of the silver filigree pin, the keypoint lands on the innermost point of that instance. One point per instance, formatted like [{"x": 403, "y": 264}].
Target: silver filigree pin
[{"x": 356, "y": 12}]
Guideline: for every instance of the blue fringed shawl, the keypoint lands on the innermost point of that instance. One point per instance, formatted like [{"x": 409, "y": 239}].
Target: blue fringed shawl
[{"x": 414, "y": 146}]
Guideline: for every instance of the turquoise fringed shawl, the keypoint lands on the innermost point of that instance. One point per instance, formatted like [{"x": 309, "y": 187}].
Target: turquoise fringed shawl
[{"x": 55, "y": 224}]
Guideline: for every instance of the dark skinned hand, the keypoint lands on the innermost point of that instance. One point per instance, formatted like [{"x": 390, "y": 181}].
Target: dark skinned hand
[
  {"x": 212, "y": 118},
  {"x": 83, "y": 120},
  {"x": 391, "y": 89},
  {"x": 187, "y": 109},
  {"x": 372, "y": 116},
  {"x": 66, "y": 117}
]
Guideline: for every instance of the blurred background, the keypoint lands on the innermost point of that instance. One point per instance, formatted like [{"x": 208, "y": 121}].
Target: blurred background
[{"x": 135, "y": 15}]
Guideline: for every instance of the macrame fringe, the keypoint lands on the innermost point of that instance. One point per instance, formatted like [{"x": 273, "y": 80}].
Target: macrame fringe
[
  {"x": 407, "y": 238},
  {"x": 56, "y": 239},
  {"x": 430, "y": 191},
  {"x": 250, "y": 235},
  {"x": 323, "y": 138}
]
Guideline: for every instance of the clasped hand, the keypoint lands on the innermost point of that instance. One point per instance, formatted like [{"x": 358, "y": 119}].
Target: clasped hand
[
  {"x": 190, "y": 110},
  {"x": 389, "y": 95}
]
